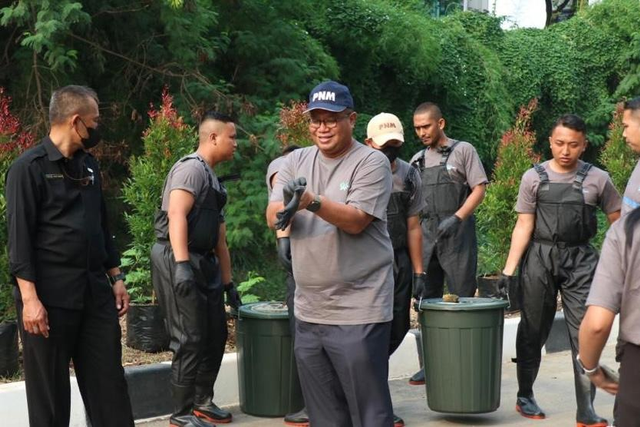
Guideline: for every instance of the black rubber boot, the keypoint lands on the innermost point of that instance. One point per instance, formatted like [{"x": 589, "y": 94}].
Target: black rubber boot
[
  {"x": 418, "y": 378},
  {"x": 585, "y": 393},
  {"x": 526, "y": 404},
  {"x": 209, "y": 411},
  {"x": 528, "y": 408},
  {"x": 298, "y": 419},
  {"x": 183, "y": 405}
]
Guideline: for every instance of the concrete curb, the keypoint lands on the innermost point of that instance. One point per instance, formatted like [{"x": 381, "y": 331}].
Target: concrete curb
[{"x": 150, "y": 394}]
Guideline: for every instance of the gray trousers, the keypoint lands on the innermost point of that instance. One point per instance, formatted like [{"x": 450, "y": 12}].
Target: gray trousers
[{"x": 343, "y": 373}]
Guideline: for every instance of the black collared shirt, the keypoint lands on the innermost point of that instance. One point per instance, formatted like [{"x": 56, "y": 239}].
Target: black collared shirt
[{"x": 58, "y": 234}]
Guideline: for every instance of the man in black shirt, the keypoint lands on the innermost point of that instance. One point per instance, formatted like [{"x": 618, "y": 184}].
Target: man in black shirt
[{"x": 70, "y": 290}]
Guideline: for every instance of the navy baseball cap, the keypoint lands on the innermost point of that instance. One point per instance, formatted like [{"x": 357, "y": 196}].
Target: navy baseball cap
[{"x": 330, "y": 96}]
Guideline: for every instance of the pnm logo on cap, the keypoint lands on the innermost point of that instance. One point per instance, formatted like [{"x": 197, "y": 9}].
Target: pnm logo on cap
[
  {"x": 387, "y": 126},
  {"x": 324, "y": 96},
  {"x": 330, "y": 96}
]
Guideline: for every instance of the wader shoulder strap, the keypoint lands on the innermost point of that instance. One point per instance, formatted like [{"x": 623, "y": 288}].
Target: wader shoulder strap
[
  {"x": 544, "y": 177},
  {"x": 581, "y": 175},
  {"x": 204, "y": 165},
  {"x": 419, "y": 162},
  {"x": 446, "y": 152}
]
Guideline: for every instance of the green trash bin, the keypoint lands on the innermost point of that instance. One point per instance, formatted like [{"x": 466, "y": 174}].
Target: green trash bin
[
  {"x": 462, "y": 348},
  {"x": 267, "y": 374}
]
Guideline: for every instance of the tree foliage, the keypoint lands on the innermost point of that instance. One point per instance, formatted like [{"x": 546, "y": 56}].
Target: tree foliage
[
  {"x": 616, "y": 156},
  {"x": 249, "y": 58}
]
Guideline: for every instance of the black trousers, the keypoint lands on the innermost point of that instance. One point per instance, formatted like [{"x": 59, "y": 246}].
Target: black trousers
[
  {"x": 402, "y": 279},
  {"x": 343, "y": 373},
  {"x": 91, "y": 339},
  {"x": 628, "y": 404},
  {"x": 197, "y": 323},
  {"x": 545, "y": 271}
]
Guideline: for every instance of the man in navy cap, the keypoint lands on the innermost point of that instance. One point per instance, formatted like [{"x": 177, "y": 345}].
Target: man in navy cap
[{"x": 335, "y": 196}]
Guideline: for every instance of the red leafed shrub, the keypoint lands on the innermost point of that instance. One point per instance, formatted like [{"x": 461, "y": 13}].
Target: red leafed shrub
[
  {"x": 294, "y": 125},
  {"x": 166, "y": 140},
  {"x": 13, "y": 141},
  {"x": 496, "y": 214}
]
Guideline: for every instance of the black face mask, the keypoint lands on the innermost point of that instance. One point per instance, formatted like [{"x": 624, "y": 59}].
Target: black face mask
[
  {"x": 391, "y": 152},
  {"x": 93, "y": 139}
]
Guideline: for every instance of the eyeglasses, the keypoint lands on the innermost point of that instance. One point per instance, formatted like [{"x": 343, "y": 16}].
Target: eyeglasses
[{"x": 328, "y": 123}]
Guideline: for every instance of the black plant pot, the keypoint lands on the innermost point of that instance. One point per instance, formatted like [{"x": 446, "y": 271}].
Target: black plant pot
[
  {"x": 488, "y": 288},
  {"x": 9, "y": 365},
  {"x": 146, "y": 328}
]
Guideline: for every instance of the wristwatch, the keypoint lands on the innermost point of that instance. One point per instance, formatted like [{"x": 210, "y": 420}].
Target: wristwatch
[
  {"x": 315, "y": 204},
  {"x": 587, "y": 372},
  {"x": 115, "y": 278}
]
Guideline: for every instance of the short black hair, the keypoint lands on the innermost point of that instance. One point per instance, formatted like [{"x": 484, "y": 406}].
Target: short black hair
[
  {"x": 571, "y": 121},
  {"x": 69, "y": 100},
  {"x": 217, "y": 116},
  {"x": 429, "y": 107},
  {"x": 290, "y": 148},
  {"x": 632, "y": 104}
]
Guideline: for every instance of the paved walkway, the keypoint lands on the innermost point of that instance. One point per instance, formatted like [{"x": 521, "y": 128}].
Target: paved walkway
[{"x": 554, "y": 393}]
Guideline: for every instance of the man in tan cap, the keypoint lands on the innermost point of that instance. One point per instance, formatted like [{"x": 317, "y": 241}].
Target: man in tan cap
[{"x": 385, "y": 133}]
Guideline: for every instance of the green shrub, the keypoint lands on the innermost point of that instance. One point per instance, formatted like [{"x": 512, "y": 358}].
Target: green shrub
[
  {"x": 496, "y": 215},
  {"x": 616, "y": 157},
  {"x": 618, "y": 160},
  {"x": 13, "y": 141},
  {"x": 166, "y": 140}
]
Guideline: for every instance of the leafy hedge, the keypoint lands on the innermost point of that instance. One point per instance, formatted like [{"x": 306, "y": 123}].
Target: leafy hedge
[{"x": 249, "y": 58}]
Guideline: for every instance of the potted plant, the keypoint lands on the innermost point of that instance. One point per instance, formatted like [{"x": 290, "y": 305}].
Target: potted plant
[
  {"x": 166, "y": 140},
  {"x": 496, "y": 215},
  {"x": 13, "y": 141}
]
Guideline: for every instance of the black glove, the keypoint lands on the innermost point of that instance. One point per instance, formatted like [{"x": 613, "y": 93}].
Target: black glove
[
  {"x": 284, "y": 253},
  {"x": 233, "y": 297},
  {"x": 505, "y": 282},
  {"x": 448, "y": 227},
  {"x": 291, "y": 193},
  {"x": 419, "y": 285},
  {"x": 183, "y": 278}
]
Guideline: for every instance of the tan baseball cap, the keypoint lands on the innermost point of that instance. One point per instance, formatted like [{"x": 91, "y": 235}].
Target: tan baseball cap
[{"x": 383, "y": 128}]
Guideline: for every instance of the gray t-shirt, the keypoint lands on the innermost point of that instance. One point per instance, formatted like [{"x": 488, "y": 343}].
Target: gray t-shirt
[
  {"x": 464, "y": 164},
  {"x": 616, "y": 284},
  {"x": 598, "y": 189},
  {"x": 341, "y": 278},
  {"x": 272, "y": 169},
  {"x": 631, "y": 199},
  {"x": 402, "y": 170},
  {"x": 193, "y": 176}
]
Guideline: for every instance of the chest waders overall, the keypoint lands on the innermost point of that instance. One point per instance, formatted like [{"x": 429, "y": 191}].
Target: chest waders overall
[
  {"x": 397, "y": 214},
  {"x": 197, "y": 321},
  {"x": 559, "y": 258},
  {"x": 455, "y": 257}
]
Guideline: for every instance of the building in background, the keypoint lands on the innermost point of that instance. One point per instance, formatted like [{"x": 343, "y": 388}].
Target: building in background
[{"x": 516, "y": 13}]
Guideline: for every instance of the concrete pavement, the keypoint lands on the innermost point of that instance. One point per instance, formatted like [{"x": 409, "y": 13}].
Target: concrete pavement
[{"x": 553, "y": 388}]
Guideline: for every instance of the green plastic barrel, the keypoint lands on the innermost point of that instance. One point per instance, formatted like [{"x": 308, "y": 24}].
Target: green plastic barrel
[
  {"x": 462, "y": 348},
  {"x": 267, "y": 374}
]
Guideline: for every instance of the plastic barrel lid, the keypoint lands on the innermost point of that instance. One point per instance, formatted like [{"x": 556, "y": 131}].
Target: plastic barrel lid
[
  {"x": 465, "y": 304},
  {"x": 264, "y": 310}
]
